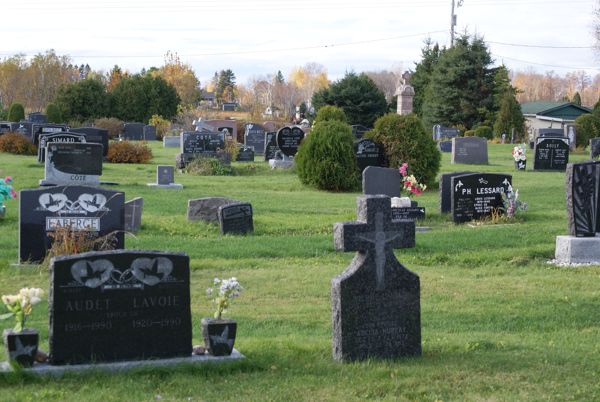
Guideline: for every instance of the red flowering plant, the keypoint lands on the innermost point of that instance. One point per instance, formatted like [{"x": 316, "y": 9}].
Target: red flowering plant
[{"x": 410, "y": 183}]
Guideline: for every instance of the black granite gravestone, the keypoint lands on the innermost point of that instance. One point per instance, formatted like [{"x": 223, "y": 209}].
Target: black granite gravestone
[
  {"x": 236, "y": 218},
  {"x": 96, "y": 135},
  {"x": 63, "y": 136},
  {"x": 255, "y": 137},
  {"x": 359, "y": 130},
  {"x": 594, "y": 148},
  {"x": 39, "y": 129},
  {"x": 445, "y": 146},
  {"x": 376, "y": 300},
  {"x": 193, "y": 142},
  {"x": 440, "y": 132},
  {"x": 446, "y": 190},
  {"x": 368, "y": 153},
  {"x": 271, "y": 147},
  {"x": 583, "y": 198},
  {"x": 149, "y": 133},
  {"x": 476, "y": 195},
  {"x": 551, "y": 153},
  {"x": 90, "y": 209},
  {"x": 380, "y": 180},
  {"x": 72, "y": 163},
  {"x": 289, "y": 139},
  {"x": 133, "y": 131},
  {"x": 37, "y": 117},
  {"x": 245, "y": 154},
  {"x": 551, "y": 132},
  {"x": 404, "y": 213},
  {"x": 5, "y": 127},
  {"x": 119, "y": 305},
  {"x": 25, "y": 128}
]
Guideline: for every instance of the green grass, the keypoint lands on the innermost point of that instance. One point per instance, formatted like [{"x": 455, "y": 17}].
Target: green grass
[{"x": 498, "y": 322}]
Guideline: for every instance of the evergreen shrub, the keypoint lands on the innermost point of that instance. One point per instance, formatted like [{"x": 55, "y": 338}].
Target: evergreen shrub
[
  {"x": 326, "y": 158},
  {"x": 208, "y": 166},
  {"x": 484, "y": 132},
  {"x": 329, "y": 113},
  {"x": 16, "y": 112},
  {"x": 587, "y": 127},
  {"x": 405, "y": 140},
  {"x": 53, "y": 113}
]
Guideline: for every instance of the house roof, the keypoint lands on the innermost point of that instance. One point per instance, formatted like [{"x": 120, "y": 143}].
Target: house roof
[{"x": 558, "y": 110}]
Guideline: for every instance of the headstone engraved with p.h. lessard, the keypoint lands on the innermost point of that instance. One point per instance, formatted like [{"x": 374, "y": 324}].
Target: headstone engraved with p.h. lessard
[
  {"x": 255, "y": 137},
  {"x": 551, "y": 153},
  {"x": 92, "y": 210},
  {"x": 63, "y": 136},
  {"x": 469, "y": 150},
  {"x": 376, "y": 300},
  {"x": 119, "y": 305},
  {"x": 72, "y": 163},
  {"x": 236, "y": 218},
  {"x": 477, "y": 195},
  {"x": 583, "y": 198},
  {"x": 446, "y": 190}
]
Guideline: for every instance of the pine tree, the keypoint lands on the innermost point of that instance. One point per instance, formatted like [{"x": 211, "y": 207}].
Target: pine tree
[
  {"x": 422, "y": 76},
  {"x": 576, "y": 99},
  {"x": 225, "y": 89},
  {"x": 509, "y": 116}
]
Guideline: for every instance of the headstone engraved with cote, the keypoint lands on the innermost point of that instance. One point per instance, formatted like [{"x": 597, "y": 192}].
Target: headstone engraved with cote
[
  {"x": 94, "y": 134},
  {"x": 65, "y": 136},
  {"x": 236, "y": 218},
  {"x": 119, "y": 305},
  {"x": 72, "y": 163},
  {"x": 86, "y": 209},
  {"x": 477, "y": 195},
  {"x": 255, "y": 137},
  {"x": 469, "y": 150},
  {"x": 133, "y": 214},
  {"x": 368, "y": 153},
  {"x": 196, "y": 144},
  {"x": 551, "y": 153},
  {"x": 376, "y": 300}
]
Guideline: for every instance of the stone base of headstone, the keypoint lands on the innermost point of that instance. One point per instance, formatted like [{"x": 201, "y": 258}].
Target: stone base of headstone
[
  {"x": 281, "y": 163},
  {"x": 577, "y": 250},
  {"x": 172, "y": 186},
  {"x": 46, "y": 369}
]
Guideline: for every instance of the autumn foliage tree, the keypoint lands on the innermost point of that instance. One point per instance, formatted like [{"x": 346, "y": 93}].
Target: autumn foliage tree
[{"x": 182, "y": 77}]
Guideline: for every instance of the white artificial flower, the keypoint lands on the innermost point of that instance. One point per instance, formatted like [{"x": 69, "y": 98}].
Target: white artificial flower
[{"x": 10, "y": 299}]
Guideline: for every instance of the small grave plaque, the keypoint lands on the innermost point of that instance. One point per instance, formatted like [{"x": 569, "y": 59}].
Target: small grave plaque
[
  {"x": 446, "y": 190},
  {"x": 45, "y": 139},
  {"x": 246, "y": 154},
  {"x": 133, "y": 131},
  {"x": 445, "y": 146},
  {"x": 476, "y": 195},
  {"x": 271, "y": 147},
  {"x": 90, "y": 209},
  {"x": 119, "y": 305},
  {"x": 411, "y": 213},
  {"x": 133, "y": 214},
  {"x": 379, "y": 180},
  {"x": 255, "y": 137},
  {"x": 583, "y": 198},
  {"x": 165, "y": 178},
  {"x": 551, "y": 153},
  {"x": 236, "y": 218},
  {"x": 172, "y": 141},
  {"x": 96, "y": 135},
  {"x": 289, "y": 139},
  {"x": 72, "y": 163},
  {"x": 470, "y": 150},
  {"x": 376, "y": 300},
  {"x": 368, "y": 153},
  {"x": 594, "y": 148}
]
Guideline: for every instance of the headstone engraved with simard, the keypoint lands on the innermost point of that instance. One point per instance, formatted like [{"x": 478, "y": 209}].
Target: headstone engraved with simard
[
  {"x": 376, "y": 300},
  {"x": 93, "y": 210},
  {"x": 236, "y": 218},
  {"x": 133, "y": 214},
  {"x": 119, "y": 305},
  {"x": 245, "y": 154},
  {"x": 470, "y": 150},
  {"x": 477, "y": 195},
  {"x": 368, "y": 153},
  {"x": 446, "y": 190},
  {"x": 271, "y": 147},
  {"x": 380, "y": 180},
  {"x": 133, "y": 131},
  {"x": 94, "y": 134},
  {"x": 594, "y": 148},
  {"x": 289, "y": 139},
  {"x": 255, "y": 137},
  {"x": 64, "y": 136},
  {"x": 72, "y": 163},
  {"x": 551, "y": 153}
]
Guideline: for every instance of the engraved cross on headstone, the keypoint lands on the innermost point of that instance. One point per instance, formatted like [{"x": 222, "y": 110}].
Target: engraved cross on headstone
[{"x": 375, "y": 234}]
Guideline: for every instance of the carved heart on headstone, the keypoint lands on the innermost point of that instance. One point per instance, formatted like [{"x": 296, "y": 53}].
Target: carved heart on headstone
[
  {"x": 92, "y": 273},
  {"x": 151, "y": 270},
  {"x": 92, "y": 202},
  {"x": 53, "y": 202}
]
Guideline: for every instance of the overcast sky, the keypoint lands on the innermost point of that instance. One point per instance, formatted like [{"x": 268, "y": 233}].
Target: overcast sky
[{"x": 259, "y": 37}]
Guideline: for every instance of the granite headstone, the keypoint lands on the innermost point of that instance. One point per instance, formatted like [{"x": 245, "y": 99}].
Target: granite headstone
[
  {"x": 72, "y": 163},
  {"x": 551, "y": 153},
  {"x": 446, "y": 190},
  {"x": 39, "y": 129},
  {"x": 245, "y": 154},
  {"x": 206, "y": 209},
  {"x": 289, "y": 139},
  {"x": 94, "y": 134},
  {"x": 469, "y": 150},
  {"x": 445, "y": 146},
  {"x": 149, "y": 133},
  {"x": 236, "y": 218},
  {"x": 271, "y": 147},
  {"x": 368, "y": 153},
  {"x": 380, "y": 180},
  {"x": 359, "y": 130},
  {"x": 476, "y": 195},
  {"x": 63, "y": 136},
  {"x": 594, "y": 148},
  {"x": 133, "y": 131},
  {"x": 133, "y": 214},
  {"x": 255, "y": 137},
  {"x": 583, "y": 198}
]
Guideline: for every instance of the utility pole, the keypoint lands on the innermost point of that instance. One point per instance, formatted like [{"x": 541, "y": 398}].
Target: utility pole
[{"x": 453, "y": 21}]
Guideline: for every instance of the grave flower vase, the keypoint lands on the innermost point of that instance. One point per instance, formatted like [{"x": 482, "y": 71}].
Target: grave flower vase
[
  {"x": 520, "y": 165},
  {"x": 219, "y": 335},
  {"x": 21, "y": 347}
]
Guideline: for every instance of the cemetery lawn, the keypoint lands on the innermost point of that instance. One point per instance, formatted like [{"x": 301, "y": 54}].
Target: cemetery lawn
[{"x": 498, "y": 322}]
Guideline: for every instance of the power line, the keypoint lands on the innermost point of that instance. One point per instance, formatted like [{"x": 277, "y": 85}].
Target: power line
[
  {"x": 539, "y": 46},
  {"x": 546, "y": 65}
]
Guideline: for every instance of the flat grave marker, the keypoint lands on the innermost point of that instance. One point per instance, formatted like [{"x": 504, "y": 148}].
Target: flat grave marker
[{"x": 165, "y": 178}]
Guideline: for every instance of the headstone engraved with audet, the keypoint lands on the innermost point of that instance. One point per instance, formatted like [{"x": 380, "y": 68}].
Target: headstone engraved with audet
[
  {"x": 376, "y": 300},
  {"x": 119, "y": 305},
  {"x": 551, "y": 153}
]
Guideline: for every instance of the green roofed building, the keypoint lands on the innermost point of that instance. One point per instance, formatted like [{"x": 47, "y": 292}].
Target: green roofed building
[{"x": 547, "y": 114}]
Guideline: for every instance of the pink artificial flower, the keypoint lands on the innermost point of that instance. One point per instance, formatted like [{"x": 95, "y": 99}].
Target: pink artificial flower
[
  {"x": 13, "y": 193},
  {"x": 403, "y": 169},
  {"x": 8, "y": 179}
]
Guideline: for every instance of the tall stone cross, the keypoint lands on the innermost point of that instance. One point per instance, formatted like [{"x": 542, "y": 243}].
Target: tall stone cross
[{"x": 376, "y": 300}]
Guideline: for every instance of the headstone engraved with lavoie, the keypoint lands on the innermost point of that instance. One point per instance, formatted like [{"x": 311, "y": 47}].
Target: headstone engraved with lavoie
[
  {"x": 594, "y": 148},
  {"x": 94, "y": 134},
  {"x": 63, "y": 136},
  {"x": 255, "y": 137},
  {"x": 470, "y": 150},
  {"x": 551, "y": 153},
  {"x": 245, "y": 154},
  {"x": 368, "y": 153},
  {"x": 446, "y": 191},
  {"x": 477, "y": 195},
  {"x": 236, "y": 218},
  {"x": 165, "y": 178},
  {"x": 72, "y": 163},
  {"x": 93, "y": 210},
  {"x": 133, "y": 214},
  {"x": 376, "y": 300},
  {"x": 119, "y": 305},
  {"x": 380, "y": 180},
  {"x": 271, "y": 147}
]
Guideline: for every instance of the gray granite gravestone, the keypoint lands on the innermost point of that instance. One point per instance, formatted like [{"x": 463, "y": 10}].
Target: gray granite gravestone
[
  {"x": 379, "y": 180},
  {"x": 133, "y": 131},
  {"x": 72, "y": 163},
  {"x": 376, "y": 300},
  {"x": 119, "y": 305},
  {"x": 149, "y": 133},
  {"x": 469, "y": 150},
  {"x": 445, "y": 146},
  {"x": 172, "y": 141},
  {"x": 594, "y": 148},
  {"x": 133, "y": 214},
  {"x": 368, "y": 153},
  {"x": 254, "y": 137},
  {"x": 165, "y": 178},
  {"x": 236, "y": 218},
  {"x": 39, "y": 129},
  {"x": 206, "y": 209}
]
